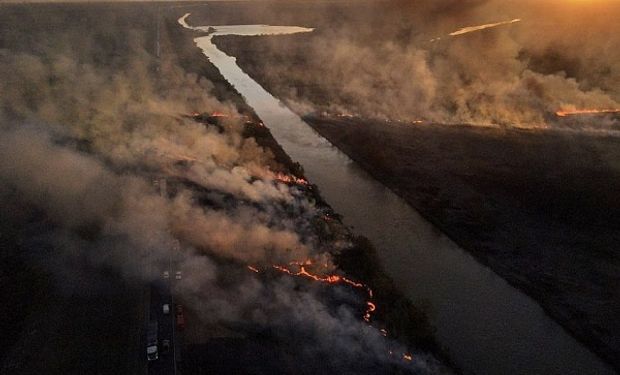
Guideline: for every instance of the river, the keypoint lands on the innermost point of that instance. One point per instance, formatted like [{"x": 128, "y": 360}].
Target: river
[{"x": 488, "y": 326}]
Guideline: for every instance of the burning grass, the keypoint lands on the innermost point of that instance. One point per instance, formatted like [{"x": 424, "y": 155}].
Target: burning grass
[
  {"x": 391, "y": 309},
  {"x": 591, "y": 112}
]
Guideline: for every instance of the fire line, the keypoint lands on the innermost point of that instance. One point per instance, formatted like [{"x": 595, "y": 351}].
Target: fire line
[
  {"x": 577, "y": 112},
  {"x": 334, "y": 279}
]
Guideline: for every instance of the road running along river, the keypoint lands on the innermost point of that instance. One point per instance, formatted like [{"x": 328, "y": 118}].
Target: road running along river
[{"x": 488, "y": 326}]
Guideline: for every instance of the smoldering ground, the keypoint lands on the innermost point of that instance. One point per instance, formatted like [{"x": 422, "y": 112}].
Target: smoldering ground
[{"x": 89, "y": 119}]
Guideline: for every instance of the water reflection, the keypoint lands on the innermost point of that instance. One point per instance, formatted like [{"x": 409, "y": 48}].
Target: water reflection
[{"x": 488, "y": 326}]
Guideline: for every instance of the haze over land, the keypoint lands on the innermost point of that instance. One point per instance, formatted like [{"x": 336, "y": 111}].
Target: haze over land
[
  {"x": 537, "y": 206},
  {"x": 112, "y": 169},
  {"x": 92, "y": 124},
  {"x": 561, "y": 56}
]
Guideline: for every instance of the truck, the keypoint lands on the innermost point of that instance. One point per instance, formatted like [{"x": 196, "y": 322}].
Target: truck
[{"x": 151, "y": 341}]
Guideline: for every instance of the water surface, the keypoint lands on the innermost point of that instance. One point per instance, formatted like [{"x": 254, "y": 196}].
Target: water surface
[{"x": 488, "y": 326}]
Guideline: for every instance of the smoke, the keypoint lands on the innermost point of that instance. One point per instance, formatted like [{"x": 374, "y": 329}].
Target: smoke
[
  {"x": 560, "y": 55},
  {"x": 90, "y": 120}
]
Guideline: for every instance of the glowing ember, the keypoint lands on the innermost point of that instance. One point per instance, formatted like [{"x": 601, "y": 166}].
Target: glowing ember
[
  {"x": 253, "y": 269},
  {"x": 290, "y": 179},
  {"x": 218, "y": 114},
  {"x": 577, "y": 112},
  {"x": 369, "y": 310},
  {"x": 347, "y": 115}
]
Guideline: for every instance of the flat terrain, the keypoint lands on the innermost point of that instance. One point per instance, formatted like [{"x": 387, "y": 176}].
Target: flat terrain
[
  {"x": 406, "y": 322},
  {"x": 539, "y": 207},
  {"x": 64, "y": 312},
  {"x": 87, "y": 321}
]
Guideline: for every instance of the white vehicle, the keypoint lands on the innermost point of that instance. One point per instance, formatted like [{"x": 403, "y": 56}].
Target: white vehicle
[
  {"x": 166, "y": 309},
  {"x": 166, "y": 275},
  {"x": 151, "y": 341},
  {"x": 151, "y": 353},
  {"x": 177, "y": 275}
]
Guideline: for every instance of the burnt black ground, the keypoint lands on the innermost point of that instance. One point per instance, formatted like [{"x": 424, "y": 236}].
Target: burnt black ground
[{"x": 539, "y": 207}]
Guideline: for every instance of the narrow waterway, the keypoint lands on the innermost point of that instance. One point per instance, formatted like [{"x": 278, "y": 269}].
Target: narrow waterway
[{"x": 488, "y": 326}]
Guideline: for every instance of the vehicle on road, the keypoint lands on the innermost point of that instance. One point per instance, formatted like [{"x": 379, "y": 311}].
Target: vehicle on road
[
  {"x": 151, "y": 341},
  {"x": 177, "y": 275},
  {"x": 166, "y": 275},
  {"x": 166, "y": 309},
  {"x": 151, "y": 353}
]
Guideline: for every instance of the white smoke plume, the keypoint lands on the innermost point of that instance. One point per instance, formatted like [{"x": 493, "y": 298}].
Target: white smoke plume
[
  {"x": 559, "y": 55},
  {"x": 89, "y": 120}
]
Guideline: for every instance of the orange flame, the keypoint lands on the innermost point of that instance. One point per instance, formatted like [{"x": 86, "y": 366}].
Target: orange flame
[
  {"x": 347, "y": 115},
  {"x": 290, "y": 179},
  {"x": 330, "y": 279},
  {"x": 577, "y": 112},
  {"x": 405, "y": 356},
  {"x": 219, "y": 114},
  {"x": 334, "y": 279},
  {"x": 369, "y": 310}
]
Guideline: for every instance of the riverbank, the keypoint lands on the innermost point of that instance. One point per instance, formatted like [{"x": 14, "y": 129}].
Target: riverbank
[
  {"x": 539, "y": 208},
  {"x": 521, "y": 223},
  {"x": 472, "y": 305},
  {"x": 67, "y": 309},
  {"x": 404, "y": 321}
]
